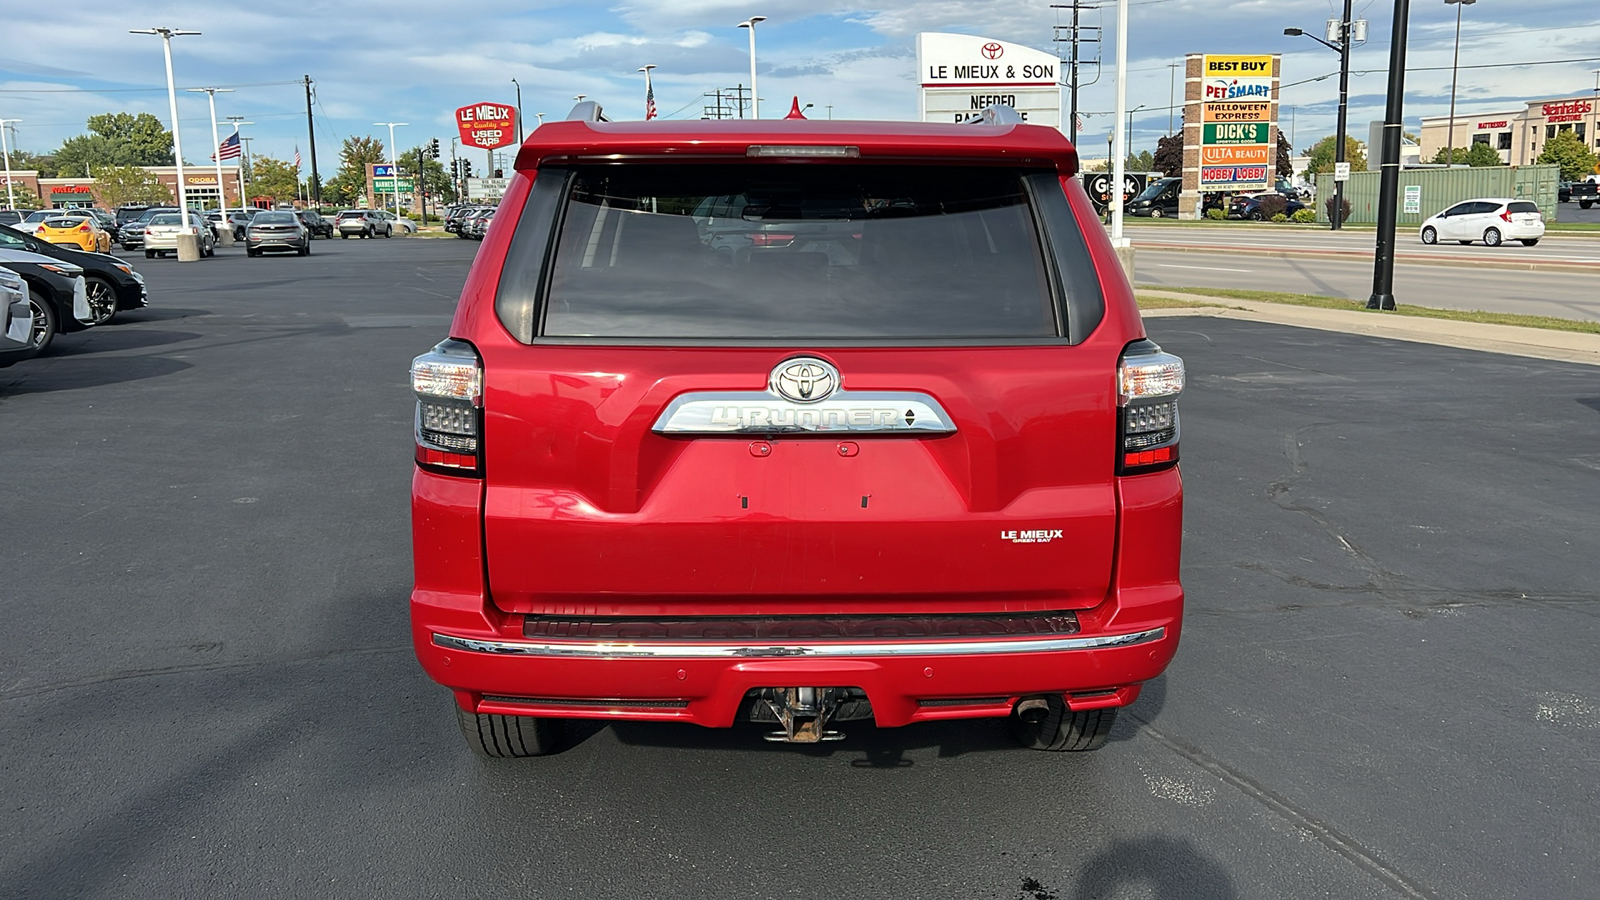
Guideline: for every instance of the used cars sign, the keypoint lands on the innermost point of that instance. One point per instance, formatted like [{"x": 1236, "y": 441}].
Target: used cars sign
[{"x": 487, "y": 125}]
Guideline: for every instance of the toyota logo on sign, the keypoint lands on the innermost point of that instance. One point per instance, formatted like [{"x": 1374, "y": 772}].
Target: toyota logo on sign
[
  {"x": 993, "y": 50},
  {"x": 804, "y": 380}
]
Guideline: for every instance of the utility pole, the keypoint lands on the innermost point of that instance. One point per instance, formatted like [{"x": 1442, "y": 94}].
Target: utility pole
[
  {"x": 737, "y": 93},
  {"x": 1337, "y": 213},
  {"x": 311, "y": 133},
  {"x": 1075, "y": 32},
  {"x": 1389, "y": 182}
]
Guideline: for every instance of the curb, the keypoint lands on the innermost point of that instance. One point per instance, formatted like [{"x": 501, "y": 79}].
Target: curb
[
  {"x": 1584, "y": 267},
  {"x": 1512, "y": 340}
]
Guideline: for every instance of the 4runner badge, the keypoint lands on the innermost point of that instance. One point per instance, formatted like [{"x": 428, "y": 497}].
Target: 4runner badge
[{"x": 1038, "y": 536}]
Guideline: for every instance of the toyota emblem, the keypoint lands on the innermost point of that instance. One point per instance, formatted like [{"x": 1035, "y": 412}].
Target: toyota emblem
[
  {"x": 804, "y": 379},
  {"x": 993, "y": 50}
]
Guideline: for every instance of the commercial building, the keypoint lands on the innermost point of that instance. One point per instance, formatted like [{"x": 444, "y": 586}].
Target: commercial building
[
  {"x": 1519, "y": 134},
  {"x": 58, "y": 193}
]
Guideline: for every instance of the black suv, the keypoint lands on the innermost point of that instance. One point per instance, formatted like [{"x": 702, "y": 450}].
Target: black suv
[{"x": 112, "y": 285}]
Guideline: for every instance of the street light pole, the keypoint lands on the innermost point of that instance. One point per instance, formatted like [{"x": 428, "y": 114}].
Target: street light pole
[
  {"x": 755, "y": 98},
  {"x": 1336, "y": 214},
  {"x": 167, "y": 34},
  {"x": 1455, "y": 64},
  {"x": 216, "y": 153},
  {"x": 1119, "y": 168},
  {"x": 1389, "y": 183},
  {"x": 394, "y": 167},
  {"x": 237, "y": 121},
  {"x": 5, "y": 149},
  {"x": 519, "y": 109}
]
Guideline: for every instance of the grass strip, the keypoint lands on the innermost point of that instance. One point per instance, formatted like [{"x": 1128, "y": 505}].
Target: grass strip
[
  {"x": 1148, "y": 302},
  {"x": 1549, "y": 323}
]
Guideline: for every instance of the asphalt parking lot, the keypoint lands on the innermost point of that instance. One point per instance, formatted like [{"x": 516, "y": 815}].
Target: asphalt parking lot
[{"x": 1387, "y": 684}]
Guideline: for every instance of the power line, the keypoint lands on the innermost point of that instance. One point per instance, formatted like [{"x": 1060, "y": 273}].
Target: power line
[{"x": 156, "y": 90}]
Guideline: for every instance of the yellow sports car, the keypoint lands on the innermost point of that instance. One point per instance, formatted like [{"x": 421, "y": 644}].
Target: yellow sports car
[{"x": 76, "y": 230}]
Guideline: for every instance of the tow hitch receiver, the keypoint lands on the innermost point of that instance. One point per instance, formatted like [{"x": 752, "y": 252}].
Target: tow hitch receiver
[{"x": 804, "y": 713}]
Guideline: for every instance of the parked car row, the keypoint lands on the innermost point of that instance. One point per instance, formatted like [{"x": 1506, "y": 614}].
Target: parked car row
[{"x": 470, "y": 222}]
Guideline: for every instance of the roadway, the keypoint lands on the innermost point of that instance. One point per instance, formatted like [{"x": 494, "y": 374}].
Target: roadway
[
  {"x": 1570, "y": 295},
  {"x": 1386, "y": 686},
  {"x": 1239, "y": 237}
]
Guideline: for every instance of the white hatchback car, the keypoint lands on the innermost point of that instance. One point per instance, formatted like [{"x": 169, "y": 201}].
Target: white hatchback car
[{"x": 1491, "y": 220}]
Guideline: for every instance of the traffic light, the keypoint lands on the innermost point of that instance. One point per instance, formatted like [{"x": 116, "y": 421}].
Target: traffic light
[
  {"x": 499, "y": 173},
  {"x": 466, "y": 168},
  {"x": 434, "y": 149}
]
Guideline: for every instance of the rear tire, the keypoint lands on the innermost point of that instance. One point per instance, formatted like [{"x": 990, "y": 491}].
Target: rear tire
[
  {"x": 1492, "y": 237},
  {"x": 1059, "y": 729},
  {"x": 1585, "y": 204},
  {"x": 1430, "y": 236},
  {"x": 507, "y": 737},
  {"x": 1530, "y": 242},
  {"x": 345, "y": 236}
]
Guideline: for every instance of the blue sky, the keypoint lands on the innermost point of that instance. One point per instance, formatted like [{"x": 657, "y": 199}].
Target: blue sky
[{"x": 414, "y": 61}]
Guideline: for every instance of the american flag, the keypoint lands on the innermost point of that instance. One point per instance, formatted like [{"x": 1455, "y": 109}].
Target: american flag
[
  {"x": 649, "y": 98},
  {"x": 297, "y": 157},
  {"x": 229, "y": 149}
]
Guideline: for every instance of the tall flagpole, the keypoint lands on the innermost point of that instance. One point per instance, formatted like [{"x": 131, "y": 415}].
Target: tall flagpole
[{"x": 649, "y": 91}]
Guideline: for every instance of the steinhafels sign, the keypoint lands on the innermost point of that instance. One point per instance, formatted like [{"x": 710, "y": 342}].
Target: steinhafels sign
[
  {"x": 960, "y": 74},
  {"x": 1566, "y": 110}
]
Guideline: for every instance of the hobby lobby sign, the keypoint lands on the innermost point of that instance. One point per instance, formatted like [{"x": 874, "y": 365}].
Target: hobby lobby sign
[{"x": 487, "y": 125}]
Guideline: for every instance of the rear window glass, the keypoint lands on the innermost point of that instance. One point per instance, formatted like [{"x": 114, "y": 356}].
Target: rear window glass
[
  {"x": 1524, "y": 206},
  {"x": 274, "y": 219},
  {"x": 166, "y": 219},
  {"x": 798, "y": 251}
]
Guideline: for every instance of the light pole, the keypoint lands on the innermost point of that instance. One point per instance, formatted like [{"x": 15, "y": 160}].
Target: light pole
[
  {"x": 394, "y": 168},
  {"x": 1336, "y": 214},
  {"x": 1130, "y": 123},
  {"x": 167, "y": 34},
  {"x": 1119, "y": 167},
  {"x": 649, "y": 92},
  {"x": 830, "y": 112},
  {"x": 216, "y": 152},
  {"x": 5, "y": 149},
  {"x": 519, "y": 109},
  {"x": 541, "y": 118},
  {"x": 1455, "y": 63},
  {"x": 244, "y": 164},
  {"x": 1172, "y": 96},
  {"x": 755, "y": 100}
]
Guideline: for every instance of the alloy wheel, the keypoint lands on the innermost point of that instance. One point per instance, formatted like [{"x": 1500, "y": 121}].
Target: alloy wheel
[{"x": 102, "y": 300}]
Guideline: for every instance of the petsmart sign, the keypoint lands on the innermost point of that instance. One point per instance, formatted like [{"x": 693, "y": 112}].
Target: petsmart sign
[{"x": 1235, "y": 94}]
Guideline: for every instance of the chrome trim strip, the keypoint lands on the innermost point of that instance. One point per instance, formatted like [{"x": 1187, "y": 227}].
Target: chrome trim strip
[
  {"x": 761, "y": 412},
  {"x": 579, "y": 650}
]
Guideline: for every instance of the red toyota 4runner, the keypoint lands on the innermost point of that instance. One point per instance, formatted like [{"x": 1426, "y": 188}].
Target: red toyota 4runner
[{"x": 795, "y": 422}]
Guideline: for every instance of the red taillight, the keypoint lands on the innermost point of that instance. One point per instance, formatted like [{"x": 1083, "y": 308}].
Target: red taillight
[
  {"x": 448, "y": 382},
  {"x": 1148, "y": 384},
  {"x": 84, "y": 227},
  {"x": 1505, "y": 214},
  {"x": 771, "y": 240}
]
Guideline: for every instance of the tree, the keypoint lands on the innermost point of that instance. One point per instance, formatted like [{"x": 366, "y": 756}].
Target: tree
[
  {"x": 1355, "y": 153},
  {"x": 274, "y": 179},
  {"x": 1565, "y": 150},
  {"x": 43, "y": 163},
  {"x": 142, "y": 136},
  {"x": 1285, "y": 157},
  {"x": 350, "y": 184},
  {"x": 121, "y": 185},
  {"x": 1140, "y": 162},
  {"x": 116, "y": 139},
  {"x": 1169, "y": 155},
  {"x": 26, "y": 199},
  {"x": 1478, "y": 156}
]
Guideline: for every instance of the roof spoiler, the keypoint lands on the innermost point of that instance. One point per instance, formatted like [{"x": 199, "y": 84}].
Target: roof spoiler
[
  {"x": 996, "y": 114},
  {"x": 587, "y": 111}
]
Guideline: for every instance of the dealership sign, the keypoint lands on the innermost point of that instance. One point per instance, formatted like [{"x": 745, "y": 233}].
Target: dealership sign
[
  {"x": 960, "y": 74},
  {"x": 487, "y": 125}
]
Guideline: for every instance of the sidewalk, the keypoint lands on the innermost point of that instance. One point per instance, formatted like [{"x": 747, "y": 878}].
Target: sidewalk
[{"x": 1538, "y": 343}]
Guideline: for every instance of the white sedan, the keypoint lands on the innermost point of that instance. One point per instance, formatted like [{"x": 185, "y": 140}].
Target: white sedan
[{"x": 1491, "y": 220}]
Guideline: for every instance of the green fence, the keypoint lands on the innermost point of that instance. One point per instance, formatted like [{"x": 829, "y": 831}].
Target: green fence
[{"x": 1436, "y": 189}]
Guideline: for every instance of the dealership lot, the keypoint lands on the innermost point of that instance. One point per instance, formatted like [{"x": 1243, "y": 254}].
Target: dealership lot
[{"x": 1386, "y": 686}]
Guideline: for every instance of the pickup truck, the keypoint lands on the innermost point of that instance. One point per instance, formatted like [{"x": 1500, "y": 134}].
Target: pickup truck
[{"x": 1587, "y": 191}]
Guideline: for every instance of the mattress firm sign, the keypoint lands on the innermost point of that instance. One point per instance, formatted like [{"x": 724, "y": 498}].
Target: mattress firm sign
[
  {"x": 960, "y": 74},
  {"x": 1230, "y": 126}
]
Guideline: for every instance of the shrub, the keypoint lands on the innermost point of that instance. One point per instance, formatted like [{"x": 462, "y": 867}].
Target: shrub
[
  {"x": 1304, "y": 216},
  {"x": 1274, "y": 205},
  {"x": 1344, "y": 217},
  {"x": 1280, "y": 217},
  {"x": 1216, "y": 214}
]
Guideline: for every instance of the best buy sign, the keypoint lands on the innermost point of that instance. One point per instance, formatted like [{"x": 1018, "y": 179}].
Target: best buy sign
[{"x": 1237, "y": 133}]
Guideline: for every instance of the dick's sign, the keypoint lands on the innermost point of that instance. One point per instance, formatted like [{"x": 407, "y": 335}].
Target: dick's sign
[{"x": 487, "y": 125}]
